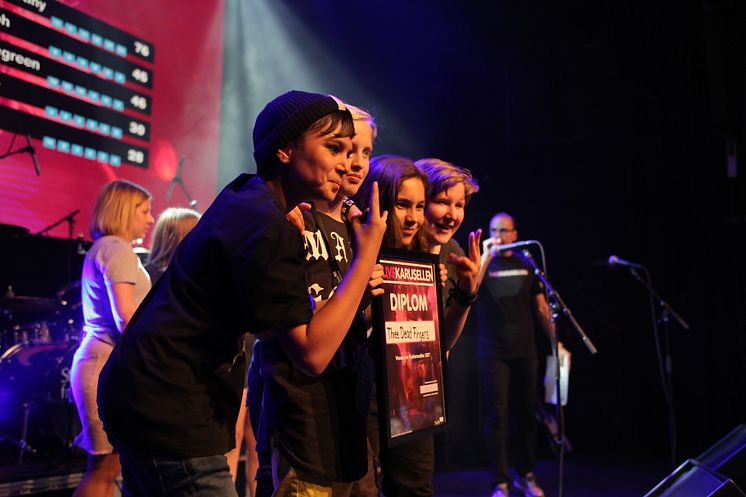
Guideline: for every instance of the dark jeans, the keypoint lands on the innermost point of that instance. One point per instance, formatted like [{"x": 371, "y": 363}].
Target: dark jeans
[
  {"x": 158, "y": 477},
  {"x": 406, "y": 470},
  {"x": 264, "y": 484},
  {"x": 509, "y": 391}
]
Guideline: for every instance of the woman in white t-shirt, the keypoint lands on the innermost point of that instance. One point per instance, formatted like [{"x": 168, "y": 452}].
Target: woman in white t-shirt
[{"x": 113, "y": 284}]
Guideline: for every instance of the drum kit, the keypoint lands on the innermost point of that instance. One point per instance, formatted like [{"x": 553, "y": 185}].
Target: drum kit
[{"x": 38, "y": 338}]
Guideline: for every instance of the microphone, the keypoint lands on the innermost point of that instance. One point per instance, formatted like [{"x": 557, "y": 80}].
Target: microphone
[
  {"x": 31, "y": 150},
  {"x": 496, "y": 249},
  {"x": 616, "y": 261},
  {"x": 80, "y": 248}
]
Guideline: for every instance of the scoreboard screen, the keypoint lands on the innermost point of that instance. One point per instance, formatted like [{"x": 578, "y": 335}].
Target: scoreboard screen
[
  {"x": 81, "y": 86},
  {"x": 104, "y": 90}
]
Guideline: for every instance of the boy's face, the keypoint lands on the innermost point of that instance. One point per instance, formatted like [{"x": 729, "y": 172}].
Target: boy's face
[
  {"x": 445, "y": 213},
  {"x": 362, "y": 147},
  {"x": 319, "y": 163}
]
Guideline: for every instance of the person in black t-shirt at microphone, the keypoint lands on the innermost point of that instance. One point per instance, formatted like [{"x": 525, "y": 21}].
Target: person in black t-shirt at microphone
[{"x": 511, "y": 302}]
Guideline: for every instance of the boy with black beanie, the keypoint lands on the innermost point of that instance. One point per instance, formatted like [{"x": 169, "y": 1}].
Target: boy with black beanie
[{"x": 170, "y": 392}]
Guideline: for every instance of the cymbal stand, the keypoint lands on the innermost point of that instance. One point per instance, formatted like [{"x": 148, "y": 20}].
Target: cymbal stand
[
  {"x": 22, "y": 444},
  {"x": 24, "y": 432},
  {"x": 70, "y": 218}
]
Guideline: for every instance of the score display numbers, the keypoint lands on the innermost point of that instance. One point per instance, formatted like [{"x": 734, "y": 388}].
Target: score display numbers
[{"x": 81, "y": 86}]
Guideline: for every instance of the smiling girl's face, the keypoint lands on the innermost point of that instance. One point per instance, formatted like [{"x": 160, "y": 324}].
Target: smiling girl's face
[{"x": 409, "y": 209}]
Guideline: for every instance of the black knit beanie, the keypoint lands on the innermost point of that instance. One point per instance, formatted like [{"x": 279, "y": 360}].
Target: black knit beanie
[{"x": 286, "y": 118}]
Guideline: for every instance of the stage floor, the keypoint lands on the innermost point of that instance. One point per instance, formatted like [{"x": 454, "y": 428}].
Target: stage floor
[
  {"x": 45, "y": 478},
  {"x": 584, "y": 476}
]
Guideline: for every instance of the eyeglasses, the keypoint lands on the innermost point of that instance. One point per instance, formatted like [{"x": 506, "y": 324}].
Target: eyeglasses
[{"x": 505, "y": 230}]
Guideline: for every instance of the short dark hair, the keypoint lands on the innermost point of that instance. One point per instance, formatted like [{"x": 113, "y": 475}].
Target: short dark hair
[{"x": 289, "y": 116}]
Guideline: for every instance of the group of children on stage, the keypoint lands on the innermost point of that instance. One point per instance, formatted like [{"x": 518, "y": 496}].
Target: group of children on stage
[{"x": 290, "y": 257}]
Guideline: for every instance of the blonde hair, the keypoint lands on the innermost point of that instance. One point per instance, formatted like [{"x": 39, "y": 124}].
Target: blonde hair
[
  {"x": 359, "y": 114},
  {"x": 115, "y": 207},
  {"x": 442, "y": 175},
  {"x": 172, "y": 226}
]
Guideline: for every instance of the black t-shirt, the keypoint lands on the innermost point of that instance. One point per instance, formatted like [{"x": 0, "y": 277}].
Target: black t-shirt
[
  {"x": 173, "y": 384},
  {"x": 505, "y": 309},
  {"x": 319, "y": 423},
  {"x": 452, "y": 247},
  {"x": 327, "y": 249}
]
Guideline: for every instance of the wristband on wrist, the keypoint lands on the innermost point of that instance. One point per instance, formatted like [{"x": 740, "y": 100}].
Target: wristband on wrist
[
  {"x": 465, "y": 298},
  {"x": 347, "y": 204}
]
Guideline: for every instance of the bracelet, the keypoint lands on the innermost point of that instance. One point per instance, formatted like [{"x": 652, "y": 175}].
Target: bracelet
[
  {"x": 347, "y": 204},
  {"x": 464, "y": 298}
]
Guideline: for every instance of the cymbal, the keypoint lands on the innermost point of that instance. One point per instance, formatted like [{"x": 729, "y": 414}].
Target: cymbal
[{"x": 23, "y": 304}]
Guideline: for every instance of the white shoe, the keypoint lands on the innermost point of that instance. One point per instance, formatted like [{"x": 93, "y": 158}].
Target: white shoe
[
  {"x": 527, "y": 485},
  {"x": 501, "y": 490}
]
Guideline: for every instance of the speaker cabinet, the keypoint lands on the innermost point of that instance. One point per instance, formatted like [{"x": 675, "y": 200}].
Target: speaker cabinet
[
  {"x": 720, "y": 471},
  {"x": 728, "y": 456}
]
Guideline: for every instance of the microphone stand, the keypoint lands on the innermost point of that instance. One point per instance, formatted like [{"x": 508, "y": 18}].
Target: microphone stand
[
  {"x": 29, "y": 149},
  {"x": 665, "y": 369},
  {"x": 178, "y": 181},
  {"x": 555, "y": 296},
  {"x": 70, "y": 218},
  {"x": 555, "y": 301}
]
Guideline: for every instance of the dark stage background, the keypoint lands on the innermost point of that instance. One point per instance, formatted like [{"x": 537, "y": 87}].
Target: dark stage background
[{"x": 602, "y": 127}]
